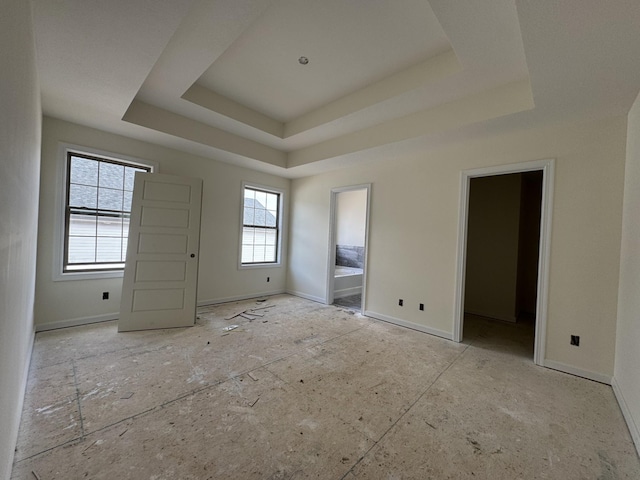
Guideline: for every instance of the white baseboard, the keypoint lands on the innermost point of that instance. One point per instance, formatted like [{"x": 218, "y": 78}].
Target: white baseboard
[
  {"x": 561, "y": 367},
  {"x": 76, "y": 322},
  {"x": 626, "y": 413},
  {"x": 237, "y": 298},
  {"x": 347, "y": 292},
  {"x": 413, "y": 326},
  {"x": 313, "y": 298}
]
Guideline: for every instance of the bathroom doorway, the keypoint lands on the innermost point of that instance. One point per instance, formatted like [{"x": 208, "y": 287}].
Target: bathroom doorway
[{"x": 348, "y": 247}]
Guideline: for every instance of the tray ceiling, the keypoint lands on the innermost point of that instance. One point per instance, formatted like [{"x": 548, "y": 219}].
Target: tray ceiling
[{"x": 221, "y": 78}]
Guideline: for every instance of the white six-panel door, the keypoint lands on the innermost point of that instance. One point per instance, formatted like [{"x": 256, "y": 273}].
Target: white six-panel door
[{"x": 161, "y": 271}]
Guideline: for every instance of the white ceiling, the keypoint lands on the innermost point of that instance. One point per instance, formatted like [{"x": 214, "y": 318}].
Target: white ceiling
[
  {"x": 349, "y": 44},
  {"x": 221, "y": 78}
]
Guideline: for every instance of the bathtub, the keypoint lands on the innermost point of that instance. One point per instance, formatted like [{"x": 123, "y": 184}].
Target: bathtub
[{"x": 347, "y": 281}]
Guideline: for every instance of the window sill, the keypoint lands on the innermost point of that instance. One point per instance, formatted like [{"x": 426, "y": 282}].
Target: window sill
[
  {"x": 249, "y": 266},
  {"x": 70, "y": 276}
]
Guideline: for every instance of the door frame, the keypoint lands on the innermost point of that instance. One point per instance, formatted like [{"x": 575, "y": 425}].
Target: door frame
[
  {"x": 547, "y": 167},
  {"x": 331, "y": 263}
]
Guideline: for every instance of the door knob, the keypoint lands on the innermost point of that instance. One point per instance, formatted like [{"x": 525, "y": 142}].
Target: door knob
[{"x": 193, "y": 255}]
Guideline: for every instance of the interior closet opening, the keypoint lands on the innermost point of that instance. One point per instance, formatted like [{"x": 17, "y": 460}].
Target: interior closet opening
[{"x": 502, "y": 260}]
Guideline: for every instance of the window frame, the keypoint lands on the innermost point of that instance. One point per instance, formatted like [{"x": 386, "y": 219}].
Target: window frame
[
  {"x": 61, "y": 216},
  {"x": 279, "y": 225}
]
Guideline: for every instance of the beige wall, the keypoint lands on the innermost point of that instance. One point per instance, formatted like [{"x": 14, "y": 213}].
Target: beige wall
[
  {"x": 20, "y": 129},
  {"x": 219, "y": 276},
  {"x": 414, "y": 225},
  {"x": 627, "y": 367},
  {"x": 351, "y": 217},
  {"x": 492, "y": 246}
]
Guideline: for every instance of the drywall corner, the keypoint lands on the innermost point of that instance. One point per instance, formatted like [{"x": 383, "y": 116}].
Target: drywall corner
[
  {"x": 627, "y": 353},
  {"x": 20, "y": 139}
]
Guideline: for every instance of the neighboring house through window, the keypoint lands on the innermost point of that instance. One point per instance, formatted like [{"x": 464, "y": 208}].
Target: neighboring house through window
[
  {"x": 261, "y": 226},
  {"x": 98, "y": 197}
]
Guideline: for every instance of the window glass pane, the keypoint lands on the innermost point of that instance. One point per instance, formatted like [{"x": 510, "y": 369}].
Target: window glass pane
[
  {"x": 260, "y": 217},
  {"x": 259, "y": 245},
  {"x": 258, "y": 253},
  {"x": 129, "y": 174},
  {"x": 109, "y": 199},
  {"x": 270, "y": 216},
  {"x": 261, "y": 200},
  {"x": 272, "y": 201},
  {"x": 247, "y": 236},
  {"x": 259, "y": 238},
  {"x": 83, "y": 196},
  {"x": 82, "y": 249},
  {"x": 111, "y": 175},
  {"x": 249, "y": 218},
  {"x": 84, "y": 171},
  {"x": 270, "y": 254},
  {"x": 82, "y": 225},
  {"x": 125, "y": 234},
  {"x": 247, "y": 253},
  {"x": 109, "y": 226},
  {"x": 124, "y": 249},
  {"x": 271, "y": 237},
  {"x": 109, "y": 249},
  {"x": 100, "y": 194},
  {"x": 126, "y": 204}
]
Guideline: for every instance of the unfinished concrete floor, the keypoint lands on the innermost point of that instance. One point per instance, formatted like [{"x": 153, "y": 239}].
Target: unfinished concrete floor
[{"x": 309, "y": 391}]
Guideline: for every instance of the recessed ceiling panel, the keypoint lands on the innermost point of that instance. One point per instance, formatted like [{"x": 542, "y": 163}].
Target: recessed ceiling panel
[{"x": 349, "y": 45}]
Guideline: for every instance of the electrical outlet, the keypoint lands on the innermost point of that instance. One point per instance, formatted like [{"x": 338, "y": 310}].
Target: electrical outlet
[
  {"x": 401, "y": 302},
  {"x": 575, "y": 340},
  {"x": 422, "y": 307},
  {"x": 105, "y": 295}
]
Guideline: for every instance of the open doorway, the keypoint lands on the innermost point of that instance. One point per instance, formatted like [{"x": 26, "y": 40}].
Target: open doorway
[
  {"x": 348, "y": 246},
  {"x": 503, "y": 239},
  {"x": 503, "y": 255}
]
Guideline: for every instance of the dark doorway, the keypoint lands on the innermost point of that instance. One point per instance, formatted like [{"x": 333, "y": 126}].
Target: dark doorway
[{"x": 503, "y": 242}]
